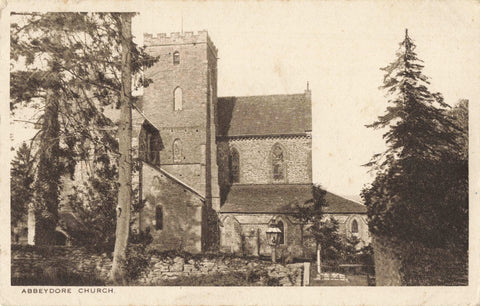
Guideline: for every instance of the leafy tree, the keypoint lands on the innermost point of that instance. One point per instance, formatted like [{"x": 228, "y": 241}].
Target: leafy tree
[
  {"x": 324, "y": 231},
  {"x": 20, "y": 185},
  {"x": 52, "y": 72},
  {"x": 75, "y": 62},
  {"x": 350, "y": 250},
  {"x": 93, "y": 201},
  {"x": 407, "y": 199}
]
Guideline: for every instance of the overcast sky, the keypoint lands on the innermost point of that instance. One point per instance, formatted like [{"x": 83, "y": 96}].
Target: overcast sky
[{"x": 276, "y": 47}]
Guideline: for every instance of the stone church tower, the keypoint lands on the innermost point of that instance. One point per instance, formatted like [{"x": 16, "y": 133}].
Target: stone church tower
[{"x": 177, "y": 140}]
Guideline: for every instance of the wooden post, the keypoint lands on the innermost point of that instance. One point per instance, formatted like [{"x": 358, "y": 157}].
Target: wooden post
[
  {"x": 258, "y": 242},
  {"x": 319, "y": 266},
  {"x": 306, "y": 274},
  {"x": 274, "y": 254}
]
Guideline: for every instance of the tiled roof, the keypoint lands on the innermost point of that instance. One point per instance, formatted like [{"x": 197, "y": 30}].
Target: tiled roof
[
  {"x": 264, "y": 115},
  {"x": 281, "y": 198}
]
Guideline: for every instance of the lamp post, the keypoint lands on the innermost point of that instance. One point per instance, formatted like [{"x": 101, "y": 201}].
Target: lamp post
[{"x": 273, "y": 235}]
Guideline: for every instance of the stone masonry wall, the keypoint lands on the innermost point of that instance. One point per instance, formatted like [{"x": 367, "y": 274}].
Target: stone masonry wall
[
  {"x": 28, "y": 261},
  {"x": 32, "y": 262},
  {"x": 181, "y": 212},
  {"x": 190, "y": 124},
  {"x": 255, "y": 159},
  {"x": 174, "y": 267}
]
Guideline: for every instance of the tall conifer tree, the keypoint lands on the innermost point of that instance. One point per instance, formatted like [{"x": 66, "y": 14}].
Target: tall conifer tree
[
  {"x": 404, "y": 200},
  {"x": 20, "y": 187}
]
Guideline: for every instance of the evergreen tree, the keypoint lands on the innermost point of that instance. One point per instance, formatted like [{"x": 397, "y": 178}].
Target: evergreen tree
[
  {"x": 407, "y": 198},
  {"x": 20, "y": 186},
  {"x": 69, "y": 65}
]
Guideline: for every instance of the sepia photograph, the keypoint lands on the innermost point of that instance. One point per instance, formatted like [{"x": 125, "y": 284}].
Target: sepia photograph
[{"x": 240, "y": 144}]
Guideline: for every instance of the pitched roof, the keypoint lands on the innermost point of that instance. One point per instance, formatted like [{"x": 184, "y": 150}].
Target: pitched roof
[
  {"x": 281, "y": 198},
  {"x": 264, "y": 115}
]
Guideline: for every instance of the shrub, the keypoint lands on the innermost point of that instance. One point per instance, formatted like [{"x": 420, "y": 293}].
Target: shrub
[{"x": 422, "y": 266}]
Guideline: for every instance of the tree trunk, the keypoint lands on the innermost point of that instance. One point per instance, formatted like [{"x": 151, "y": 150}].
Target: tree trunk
[
  {"x": 48, "y": 175},
  {"x": 125, "y": 162}
]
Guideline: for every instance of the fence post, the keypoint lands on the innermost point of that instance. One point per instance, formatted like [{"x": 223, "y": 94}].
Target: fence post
[{"x": 306, "y": 274}]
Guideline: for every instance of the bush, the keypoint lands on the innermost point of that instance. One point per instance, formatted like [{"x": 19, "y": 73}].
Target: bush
[
  {"x": 138, "y": 259},
  {"x": 422, "y": 266}
]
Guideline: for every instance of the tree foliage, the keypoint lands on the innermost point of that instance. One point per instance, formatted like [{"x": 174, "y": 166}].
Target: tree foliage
[
  {"x": 419, "y": 178},
  {"x": 68, "y": 65},
  {"x": 324, "y": 231},
  {"x": 20, "y": 186},
  {"x": 93, "y": 201}
]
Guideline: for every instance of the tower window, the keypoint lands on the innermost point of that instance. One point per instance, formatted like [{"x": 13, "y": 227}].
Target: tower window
[
  {"x": 158, "y": 217},
  {"x": 354, "y": 227},
  {"x": 176, "y": 58},
  {"x": 278, "y": 163},
  {"x": 177, "y": 150},
  {"x": 177, "y": 99},
  {"x": 234, "y": 165}
]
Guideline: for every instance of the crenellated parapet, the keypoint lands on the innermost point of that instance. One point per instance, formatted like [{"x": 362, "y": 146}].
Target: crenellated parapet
[{"x": 177, "y": 38}]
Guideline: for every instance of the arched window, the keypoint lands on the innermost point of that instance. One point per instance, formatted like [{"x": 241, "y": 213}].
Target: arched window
[
  {"x": 176, "y": 58},
  {"x": 280, "y": 226},
  {"x": 177, "y": 99},
  {"x": 177, "y": 150},
  {"x": 278, "y": 163},
  {"x": 354, "y": 227},
  {"x": 158, "y": 217},
  {"x": 234, "y": 165}
]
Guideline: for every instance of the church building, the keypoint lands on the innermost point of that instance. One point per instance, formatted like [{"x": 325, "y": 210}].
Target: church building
[{"x": 217, "y": 171}]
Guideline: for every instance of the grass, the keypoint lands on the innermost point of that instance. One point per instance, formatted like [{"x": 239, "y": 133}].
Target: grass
[
  {"x": 353, "y": 280},
  {"x": 251, "y": 278}
]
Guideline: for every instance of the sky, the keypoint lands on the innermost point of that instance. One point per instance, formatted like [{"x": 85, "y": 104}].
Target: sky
[
  {"x": 339, "y": 48},
  {"x": 268, "y": 47}
]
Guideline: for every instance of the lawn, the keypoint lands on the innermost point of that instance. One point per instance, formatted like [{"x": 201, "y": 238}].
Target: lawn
[
  {"x": 359, "y": 279},
  {"x": 353, "y": 280}
]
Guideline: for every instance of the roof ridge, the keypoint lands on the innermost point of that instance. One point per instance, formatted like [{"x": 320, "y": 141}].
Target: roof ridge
[
  {"x": 255, "y": 96},
  {"x": 356, "y": 202}
]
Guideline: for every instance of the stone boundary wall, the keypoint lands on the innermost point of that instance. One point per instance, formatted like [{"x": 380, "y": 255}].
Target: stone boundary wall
[
  {"x": 32, "y": 261},
  {"x": 29, "y": 261},
  {"x": 171, "y": 268}
]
